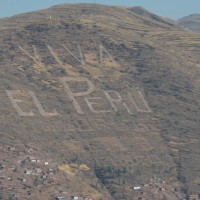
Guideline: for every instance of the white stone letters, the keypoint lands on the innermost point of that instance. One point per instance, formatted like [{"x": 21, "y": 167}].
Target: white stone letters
[
  {"x": 81, "y": 60},
  {"x": 40, "y": 108},
  {"x": 101, "y": 50},
  {"x": 36, "y": 58},
  {"x": 15, "y": 102},
  {"x": 116, "y": 100},
  {"x": 72, "y": 95},
  {"x": 90, "y": 103},
  {"x": 54, "y": 55},
  {"x": 142, "y": 106}
]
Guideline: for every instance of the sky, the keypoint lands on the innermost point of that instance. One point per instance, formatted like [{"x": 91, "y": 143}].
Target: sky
[{"x": 173, "y": 9}]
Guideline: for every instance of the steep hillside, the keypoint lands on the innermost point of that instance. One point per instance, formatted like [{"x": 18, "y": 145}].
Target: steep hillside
[
  {"x": 191, "y": 22},
  {"x": 95, "y": 101}
]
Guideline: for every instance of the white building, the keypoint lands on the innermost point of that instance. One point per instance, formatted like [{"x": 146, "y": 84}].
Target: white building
[
  {"x": 136, "y": 187},
  {"x": 47, "y": 16}
]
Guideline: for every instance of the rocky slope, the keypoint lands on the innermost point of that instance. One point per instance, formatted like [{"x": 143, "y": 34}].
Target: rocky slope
[{"x": 116, "y": 90}]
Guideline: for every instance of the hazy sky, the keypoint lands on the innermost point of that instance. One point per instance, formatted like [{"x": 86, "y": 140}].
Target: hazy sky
[{"x": 169, "y": 8}]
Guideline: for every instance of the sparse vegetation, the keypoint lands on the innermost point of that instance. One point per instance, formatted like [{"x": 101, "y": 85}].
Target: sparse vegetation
[{"x": 114, "y": 144}]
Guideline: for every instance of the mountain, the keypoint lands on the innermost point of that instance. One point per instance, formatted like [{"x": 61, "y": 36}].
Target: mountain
[
  {"x": 144, "y": 13},
  {"x": 191, "y": 22},
  {"x": 99, "y": 102}
]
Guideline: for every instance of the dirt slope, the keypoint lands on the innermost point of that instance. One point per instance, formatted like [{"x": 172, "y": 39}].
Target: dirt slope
[{"x": 116, "y": 89}]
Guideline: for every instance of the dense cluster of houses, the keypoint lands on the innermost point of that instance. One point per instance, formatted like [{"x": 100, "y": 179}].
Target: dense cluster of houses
[
  {"x": 159, "y": 188},
  {"x": 28, "y": 172}
]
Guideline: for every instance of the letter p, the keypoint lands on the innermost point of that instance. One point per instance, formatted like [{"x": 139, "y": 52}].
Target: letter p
[{"x": 72, "y": 95}]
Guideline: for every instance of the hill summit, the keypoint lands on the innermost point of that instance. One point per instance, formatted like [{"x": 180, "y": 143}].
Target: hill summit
[{"x": 191, "y": 22}]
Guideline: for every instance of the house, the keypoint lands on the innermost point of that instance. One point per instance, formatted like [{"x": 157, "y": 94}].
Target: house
[
  {"x": 60, "y": 198},
  {"x": 157, "y": 178},
  {"x": 47, "y": 16},
  {"x": 10, "y": 148},
  {"x": 38, "y": 170},
  {"x": 161, "y": 189},
  {"x": 44, "y": 177},
  {"x": 26, "y": 160},
  {"x": 137, "y": 187},
  {"x": 74, "y": 198},
  {"x": 30, "y": 150},
  {"x": 29, "y": 172},
  {"x": 51, "y": 171},
  {"x": 85, "y": 198}
]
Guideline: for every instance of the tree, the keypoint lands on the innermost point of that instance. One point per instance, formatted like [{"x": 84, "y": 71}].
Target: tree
[
  {"x": 1, "y": 194},
  {"x": 36, "y": 181},
  {"x": 10, "y": 197},
  {"x": 164, "y": 197}
]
